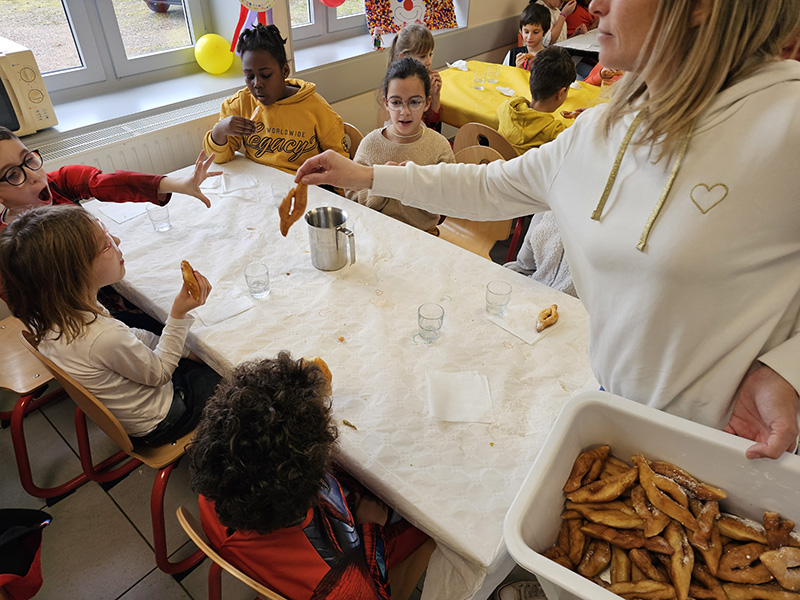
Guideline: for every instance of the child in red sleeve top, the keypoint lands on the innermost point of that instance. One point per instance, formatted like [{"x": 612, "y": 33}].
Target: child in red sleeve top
[
  {"x": 269, "y": 501},
  {"x": 25, "y": 185}
]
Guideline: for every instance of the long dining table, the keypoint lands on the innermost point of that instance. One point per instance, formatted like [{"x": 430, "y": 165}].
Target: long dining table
[
  {"x": 454, "y": 480},
  {"x": 462, "y": 103}
]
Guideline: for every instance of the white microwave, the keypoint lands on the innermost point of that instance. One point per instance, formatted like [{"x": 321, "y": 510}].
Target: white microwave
[{"x": 25, "y": 105}]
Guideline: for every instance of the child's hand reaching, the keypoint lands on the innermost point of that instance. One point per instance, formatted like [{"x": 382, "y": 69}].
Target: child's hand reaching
[
  {"x": 190, "y": 185},
  {"x": 569, "y": 8},
  {"x": 184, "y": 302},
  {"x": 233, "y": 125}
]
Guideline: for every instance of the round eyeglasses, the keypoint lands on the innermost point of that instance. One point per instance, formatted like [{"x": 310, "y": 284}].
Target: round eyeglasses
[
  {"x": 396, "y": 104},
  {"x": 17, "y": 175}
]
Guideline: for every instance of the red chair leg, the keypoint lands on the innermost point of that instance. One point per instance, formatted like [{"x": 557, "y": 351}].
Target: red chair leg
[
  {"x": 159, "y": 530},
  {"x": 5, "y": 415},
  {"x": 214, "y": 582},
  {"x": 22, "y": 407},
  {"x": 512, "y": 249},
  {"x": 99, "y": 472}
]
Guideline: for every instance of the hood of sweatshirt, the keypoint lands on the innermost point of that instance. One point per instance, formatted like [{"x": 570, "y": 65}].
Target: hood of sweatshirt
[
  {"x": 728, "y": 101},
  {"x": 306, "y": 89},
  {"x": 519, "y": 122}
]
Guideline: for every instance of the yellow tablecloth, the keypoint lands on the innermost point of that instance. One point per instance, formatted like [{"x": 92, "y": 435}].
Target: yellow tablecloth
[{"x": 462, "y": 103}]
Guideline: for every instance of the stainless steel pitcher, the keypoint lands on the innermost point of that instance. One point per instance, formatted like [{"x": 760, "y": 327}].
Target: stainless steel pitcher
[{"x": 326, "y": 233}]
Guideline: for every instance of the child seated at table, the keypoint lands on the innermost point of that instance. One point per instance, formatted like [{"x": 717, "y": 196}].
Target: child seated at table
[
  {"x": 280, "y": 122},
  {"x": 416, "y": 41},
  {"x": 529, "y": 125},
  {"x": 53, "y": 261},
  {"x": 581, "y": 20},
  {"x": 270, "y": 503},
  {"x": 406, "y": 95},
  {"x": 534, "y": 23},
  {"x": 25, "y": 185},
  {"x": 559, "y": 13}
]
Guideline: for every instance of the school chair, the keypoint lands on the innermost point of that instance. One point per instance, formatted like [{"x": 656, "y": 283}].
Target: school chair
[
  {"x": 478, "y": 134},
  {"x": 354, "y": 137},
  {"x": 28, "y": 378},
  {"x": 478, "y": 237},
  {"x": 164, "y": 458},
  {"x": 193, "y": 529},
  {"x": 403, "y": 578}
]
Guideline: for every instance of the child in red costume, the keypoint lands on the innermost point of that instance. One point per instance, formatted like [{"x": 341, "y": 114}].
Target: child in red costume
[{"x": 269, "y": 500}]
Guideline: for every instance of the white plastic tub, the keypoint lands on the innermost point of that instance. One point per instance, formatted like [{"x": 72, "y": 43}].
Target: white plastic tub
[{"x": 593, "y": 418}]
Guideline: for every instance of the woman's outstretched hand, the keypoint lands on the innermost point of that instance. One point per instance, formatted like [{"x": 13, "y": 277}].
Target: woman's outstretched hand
[{"x": 332, "y": 168}]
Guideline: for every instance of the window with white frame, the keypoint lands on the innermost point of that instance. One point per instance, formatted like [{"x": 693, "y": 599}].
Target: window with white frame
[
  {"x": 312, "y": 19},
  {"x": 77, "y": 42}
]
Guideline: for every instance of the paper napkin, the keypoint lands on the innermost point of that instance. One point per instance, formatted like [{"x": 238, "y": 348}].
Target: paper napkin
[
  {"x": 221, "y": 307},
  {"x": 461, "y": 65},
  {"x": 120, "y": 212},
  {"x": 506, "y": 91},
  {"x": 521, "y": 322},
  {"x": 462, "y": 397}
]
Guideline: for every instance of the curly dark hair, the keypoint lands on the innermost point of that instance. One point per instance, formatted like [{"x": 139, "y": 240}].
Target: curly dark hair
[
  {"x": 263, "y": 448},
  {"x": 263, "y": 37},
  {"x": 403, "y": 69}
]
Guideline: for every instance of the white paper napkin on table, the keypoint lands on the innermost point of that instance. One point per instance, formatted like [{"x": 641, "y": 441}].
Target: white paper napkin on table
[
  {"x": 521, "y": 322},
  {"x": 461, "y": 65},
  {"x": 121, "y": 212},
  {"x": 506, "y": 91},
  {"x": 222, "y": 306},
  {"x": 462, "y": 397}
]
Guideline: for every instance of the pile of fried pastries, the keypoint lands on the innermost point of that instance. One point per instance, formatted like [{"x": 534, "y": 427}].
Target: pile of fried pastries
[{"x": 659, "y": 534}]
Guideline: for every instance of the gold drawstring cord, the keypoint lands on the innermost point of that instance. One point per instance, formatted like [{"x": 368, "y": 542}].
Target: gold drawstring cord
[
  {"x": 657, "y": 209},
  {"x": 612, "y": 178}
]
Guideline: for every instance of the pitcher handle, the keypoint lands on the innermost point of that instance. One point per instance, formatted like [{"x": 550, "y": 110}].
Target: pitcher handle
[{"x": 351, "y": 240}]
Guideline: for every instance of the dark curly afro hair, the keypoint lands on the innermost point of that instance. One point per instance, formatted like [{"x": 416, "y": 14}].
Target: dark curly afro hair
[{"x": 263, "y": 447}]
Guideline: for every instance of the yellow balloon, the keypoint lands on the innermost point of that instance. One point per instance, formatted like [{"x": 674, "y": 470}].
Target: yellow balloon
[{"x": 213, "y": 53}]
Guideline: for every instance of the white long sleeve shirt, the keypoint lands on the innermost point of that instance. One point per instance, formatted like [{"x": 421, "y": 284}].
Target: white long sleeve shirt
[
  {"x": 678, "y": 325},
  {"x": 129, "y": 370}
]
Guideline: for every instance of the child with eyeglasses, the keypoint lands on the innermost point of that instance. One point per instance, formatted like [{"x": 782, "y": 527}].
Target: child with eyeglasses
[
  {"x": 406, "y": 96},
  {"x": 53, "y": 261},
  {"x": 25, "y": 185}
]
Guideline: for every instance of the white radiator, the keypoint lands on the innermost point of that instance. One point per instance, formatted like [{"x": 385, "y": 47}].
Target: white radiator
[{"x": 156, "y": 144}]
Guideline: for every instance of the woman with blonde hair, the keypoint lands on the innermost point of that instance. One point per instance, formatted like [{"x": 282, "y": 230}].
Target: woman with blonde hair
[{"x": 678, "y": 206}]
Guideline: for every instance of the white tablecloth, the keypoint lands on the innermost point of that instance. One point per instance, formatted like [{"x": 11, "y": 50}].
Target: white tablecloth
[{"x": 453, "y": 480}]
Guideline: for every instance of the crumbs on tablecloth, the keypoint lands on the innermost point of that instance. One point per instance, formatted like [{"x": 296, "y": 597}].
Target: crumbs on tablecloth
[
  {"x": 287, "y": 273},
  {"x": 491, "y": 443},
  {"x": 349, "y": 424},
  {"x": 341, "y": 338}
]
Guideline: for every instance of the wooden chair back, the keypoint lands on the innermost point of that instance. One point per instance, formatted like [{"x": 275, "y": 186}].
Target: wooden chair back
[
  {"x": 21, "y": 372},
  {"x": 479, "y": 237},
  {"x": 354, "y": 137},
  {"x": 155, "y": 457},
  {"x": 192, "y": 527},
  {"x": 478, "y": 134},
  {"x": 478, "y": 155}
]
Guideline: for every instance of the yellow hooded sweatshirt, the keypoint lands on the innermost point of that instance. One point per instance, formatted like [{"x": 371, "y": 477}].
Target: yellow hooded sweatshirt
[
  {"x": 524, "y": 127},
  {"x": 287, "y": 132}
]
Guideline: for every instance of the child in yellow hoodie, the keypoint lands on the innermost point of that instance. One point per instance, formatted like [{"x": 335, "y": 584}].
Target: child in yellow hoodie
[
  {"x": 531, "y": 125},
  {"x": 280, "y": 122}
]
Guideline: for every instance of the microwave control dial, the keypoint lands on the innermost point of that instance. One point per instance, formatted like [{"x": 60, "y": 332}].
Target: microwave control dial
[
  {"x": 35, "y": 96},
  {"x": 27, "y": 74}
]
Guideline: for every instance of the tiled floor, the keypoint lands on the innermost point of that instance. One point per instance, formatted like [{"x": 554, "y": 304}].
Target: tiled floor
[{"x": 98, "y": 545}]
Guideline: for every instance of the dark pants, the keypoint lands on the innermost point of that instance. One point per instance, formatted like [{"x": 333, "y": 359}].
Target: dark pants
[{"x": 193, "y": 385}]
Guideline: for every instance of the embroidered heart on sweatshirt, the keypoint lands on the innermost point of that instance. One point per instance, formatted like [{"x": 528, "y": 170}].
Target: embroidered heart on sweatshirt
[{"x": 705, "y": 198}]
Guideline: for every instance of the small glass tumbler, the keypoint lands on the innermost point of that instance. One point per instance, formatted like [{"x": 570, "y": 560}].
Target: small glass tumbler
[
  {"x": 498, "y": 294},
  {"x": 492, "y": 73},
  {"x": 430, "y": 318},
  {"x": 279, "y": 192},
  {"x": 159, "y": 217},
  {"x": 257, "y": 277},
  {"x": 478, "y": 77}
]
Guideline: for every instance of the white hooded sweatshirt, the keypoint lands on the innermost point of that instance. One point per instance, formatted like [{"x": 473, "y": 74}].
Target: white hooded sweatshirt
[{"x": 678, "y": 325}]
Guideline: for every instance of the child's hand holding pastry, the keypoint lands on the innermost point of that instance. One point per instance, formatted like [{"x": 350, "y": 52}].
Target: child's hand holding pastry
[
  {"x": 523, "y": 60},
  {"x": 194, "y": 292}
]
